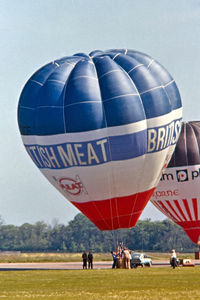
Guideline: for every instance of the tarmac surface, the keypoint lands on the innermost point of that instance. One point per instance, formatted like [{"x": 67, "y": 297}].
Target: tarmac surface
[{"x": 71, "y": 265}]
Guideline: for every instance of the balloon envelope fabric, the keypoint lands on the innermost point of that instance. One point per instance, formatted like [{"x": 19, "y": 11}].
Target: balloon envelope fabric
[
  {"x": 177, "y": 194},
  {"x": 101, "y": 127}
]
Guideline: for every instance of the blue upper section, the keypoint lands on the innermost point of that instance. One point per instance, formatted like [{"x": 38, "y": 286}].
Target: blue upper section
[{"x": 87, "y": 92}]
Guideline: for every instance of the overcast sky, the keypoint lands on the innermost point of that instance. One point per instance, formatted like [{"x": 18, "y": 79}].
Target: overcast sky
[{"x": 35, "y": 32}]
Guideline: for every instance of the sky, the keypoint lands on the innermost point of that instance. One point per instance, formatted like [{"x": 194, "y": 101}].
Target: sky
[{"x": 35, "y": 32}]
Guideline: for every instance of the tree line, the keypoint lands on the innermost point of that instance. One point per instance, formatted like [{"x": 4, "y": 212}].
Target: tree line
[{"x": 80, "y": 234}]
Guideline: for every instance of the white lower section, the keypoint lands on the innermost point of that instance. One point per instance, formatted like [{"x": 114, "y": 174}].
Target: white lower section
[{"x": 109, "y": 180}]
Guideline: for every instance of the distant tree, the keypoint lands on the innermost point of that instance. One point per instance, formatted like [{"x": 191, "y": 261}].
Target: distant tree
[
  {"x": 2, "y": 222},
  {"x": 8, "y": 237},
  {"x": 81, "y": 234}
]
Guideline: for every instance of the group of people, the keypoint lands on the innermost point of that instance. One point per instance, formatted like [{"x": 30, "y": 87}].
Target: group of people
[
  {"x": 121, "y": 258},
  {"x": 87, "y": 260}
]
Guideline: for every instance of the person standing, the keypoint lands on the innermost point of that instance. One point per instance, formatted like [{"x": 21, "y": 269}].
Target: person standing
[
  {"x": 84, "y": 257},
  {"x": 90, "y": 260},
  {"x": 127, "y": 258},
  {"x": 114, "y": 255},
  {"x": 173, "y": 259},
  {"x": 119, "y": 254}
]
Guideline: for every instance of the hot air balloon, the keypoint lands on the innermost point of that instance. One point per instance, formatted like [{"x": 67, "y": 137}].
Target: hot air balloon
[
  {"x": 178, "y": 193},
  {"x": 100, "y": 127}
]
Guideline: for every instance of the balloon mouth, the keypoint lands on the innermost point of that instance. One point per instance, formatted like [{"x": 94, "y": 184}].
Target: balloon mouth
[{"x": 192, "y": 229}]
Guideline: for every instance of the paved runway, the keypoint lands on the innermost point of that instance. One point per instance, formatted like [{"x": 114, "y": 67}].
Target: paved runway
[
  {"x": 52, "y": 266},
  {"x": 63, "y": 266}
]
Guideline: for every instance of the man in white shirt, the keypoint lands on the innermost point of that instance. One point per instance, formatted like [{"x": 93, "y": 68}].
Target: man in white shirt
[{"x": 173, "y": 259}]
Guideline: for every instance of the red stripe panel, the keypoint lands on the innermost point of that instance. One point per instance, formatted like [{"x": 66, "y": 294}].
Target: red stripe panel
[
  {"x": 185, "y": 202},
  {"x": 167, "y": 212},
  {"x": 158, "y": 206},
  {"x": 194, "y": 202},
  {"x": 120, "y": 212},
  {"x": 192, "y": 229},
  {"x": 180, "y": 209},
  {"x": 170, "y": 205}
]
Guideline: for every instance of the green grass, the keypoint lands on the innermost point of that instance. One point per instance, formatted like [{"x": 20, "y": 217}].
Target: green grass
[
  {"x": 13, "y": 257},
  {"x": 140, "y": 284}
]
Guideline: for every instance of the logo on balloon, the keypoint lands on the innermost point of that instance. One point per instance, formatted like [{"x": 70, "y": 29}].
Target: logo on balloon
[
  {"x": 70, "y": 185},
  {"x": 165, "y": 193},
  {"x": 182, "y": 175}
]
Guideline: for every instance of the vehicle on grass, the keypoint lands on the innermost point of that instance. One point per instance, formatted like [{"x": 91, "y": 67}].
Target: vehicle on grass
[{"x": 140, "y": 259}]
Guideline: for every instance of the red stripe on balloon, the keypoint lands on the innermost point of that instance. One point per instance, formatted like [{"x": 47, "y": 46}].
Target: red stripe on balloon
[
  {"x": 180, "y": 209},
  {"x": 167, "y": 210},
  {"x": 114, "y": 213},
  {"x": 192, "y": 229},
  {"x": 159, "y": 206},
  {"x": 168, "y": 202},
  {"x": 185, "y": 202},
  {"x": 194, "y": 202}
]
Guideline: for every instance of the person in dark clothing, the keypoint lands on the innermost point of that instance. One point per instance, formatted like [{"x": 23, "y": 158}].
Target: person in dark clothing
[
  {"x": 173, "y": 259},
  {"x": 114, "y": 255},
  {"x": 90, "y": 260},
  {"x": 84, "y": 257}
]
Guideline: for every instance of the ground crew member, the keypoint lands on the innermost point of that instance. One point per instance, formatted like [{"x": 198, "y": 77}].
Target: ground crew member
[
  {"x": 90, "y": 260},
  {"x": 84, "y": 257}
]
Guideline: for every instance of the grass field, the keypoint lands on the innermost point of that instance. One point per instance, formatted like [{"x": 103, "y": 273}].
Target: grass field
[
  {"x": 142, "y": 283},
  {"x": 12, "y": 257},
  {"x": 7, "y": 257}
]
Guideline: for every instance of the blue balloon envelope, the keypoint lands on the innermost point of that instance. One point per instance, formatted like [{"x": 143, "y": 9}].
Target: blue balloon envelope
[{"x": 101, "y": 127}]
